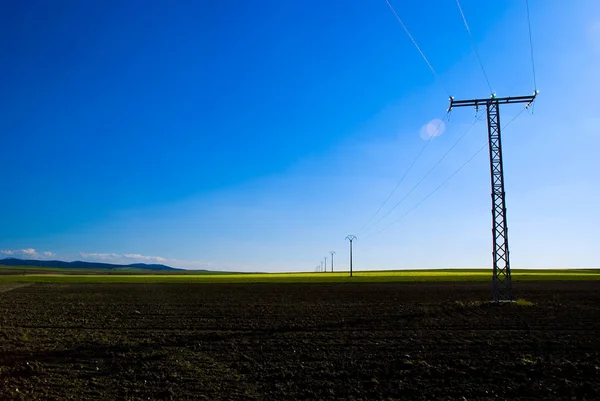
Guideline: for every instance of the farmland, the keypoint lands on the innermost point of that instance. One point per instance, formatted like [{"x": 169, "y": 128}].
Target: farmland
[
  {"x": 192, "y": 339},
  {"x": 443, "y": 275}
]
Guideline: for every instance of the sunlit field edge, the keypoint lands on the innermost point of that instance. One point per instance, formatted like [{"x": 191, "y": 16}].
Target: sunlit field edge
[{"x": 449, "y": 275}]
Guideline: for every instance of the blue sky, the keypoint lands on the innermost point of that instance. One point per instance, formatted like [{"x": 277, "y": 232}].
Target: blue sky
[{"x": 257, "y": 135}]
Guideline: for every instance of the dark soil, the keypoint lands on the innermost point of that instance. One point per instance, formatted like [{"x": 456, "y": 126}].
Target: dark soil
[{"x": 299, "y": 341}]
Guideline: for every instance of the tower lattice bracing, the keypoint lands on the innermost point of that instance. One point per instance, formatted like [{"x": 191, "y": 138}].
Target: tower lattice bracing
[
  {"x": 501, "y": 280},
  {"x": 501, "y": 261}
]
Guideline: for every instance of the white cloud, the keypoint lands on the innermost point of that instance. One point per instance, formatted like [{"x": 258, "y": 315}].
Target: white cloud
[
  {"x": 27, "y": 253},
  {"x": 153, "y": 259},
  {"x": 129, "y": 258},
  {"x": 433, "y": 128},
  {"x": 99, "y": 256},
  {"x": 123, "y": 258}
]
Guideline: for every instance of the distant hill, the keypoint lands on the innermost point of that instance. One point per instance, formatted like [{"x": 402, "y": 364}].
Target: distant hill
[{"x": 80, "y": 265}]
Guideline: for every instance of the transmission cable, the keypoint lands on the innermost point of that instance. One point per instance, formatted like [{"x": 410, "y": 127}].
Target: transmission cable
[
  {"x": 473, "y": 45},
  {"x": 531, "y": 45},
  {"x": 417, "y": 46},
  {"x": 403, "y": 176},
  {"x": 437, "y": 128},
  {"x": 428, "y": 172},
  {"x": 443, "y": 182}
]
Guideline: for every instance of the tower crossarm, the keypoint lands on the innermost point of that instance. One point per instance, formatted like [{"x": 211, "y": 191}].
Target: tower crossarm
[{"x": 498, "y": 100}]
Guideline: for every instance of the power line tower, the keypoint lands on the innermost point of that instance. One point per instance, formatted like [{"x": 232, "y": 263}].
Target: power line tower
[
  {"x": 332, "y": 253},
  {"x": 501, "y": 268},
  {"x": 325, "y": 265},
  {"x": 351, "y": 238}
]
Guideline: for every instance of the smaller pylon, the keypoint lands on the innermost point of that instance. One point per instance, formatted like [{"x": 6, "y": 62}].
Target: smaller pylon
[
  {"x": 332, "y": 253},
  {"x": 351, "y": 238}
]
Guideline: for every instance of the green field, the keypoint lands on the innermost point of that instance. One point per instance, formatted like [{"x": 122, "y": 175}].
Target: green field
[{"x": 61, "y": 276}]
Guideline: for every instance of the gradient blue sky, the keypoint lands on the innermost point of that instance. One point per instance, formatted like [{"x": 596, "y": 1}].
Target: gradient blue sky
[{"x": 252, "y": 136}]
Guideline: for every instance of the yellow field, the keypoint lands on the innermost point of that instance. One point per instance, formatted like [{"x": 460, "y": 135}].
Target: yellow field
[{"x": 361, "y": 276}]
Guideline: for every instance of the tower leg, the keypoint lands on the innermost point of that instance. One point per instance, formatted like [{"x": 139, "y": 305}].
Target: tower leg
[{"x": 501, "y": 268}]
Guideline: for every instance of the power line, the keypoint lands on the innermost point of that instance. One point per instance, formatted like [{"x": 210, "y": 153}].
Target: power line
[
  {"x": 417, "y": 46},
  {"x": 432, "y": 192},
  {"x": 436, "y": 130},
  {"x": 443, "y": 182},
  {"x": 428, "y": 172},
  {"x": 403, "y": 176},
  {"x": 408, "y": 170},
  {"x": 474, "y": 47},
  {"x": 531, "y": 45}
]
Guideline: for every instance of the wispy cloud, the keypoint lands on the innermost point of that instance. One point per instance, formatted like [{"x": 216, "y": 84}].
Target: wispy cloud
[
  {"x": 153, "y": 259},
  {"x": 100, "y": 256},
  {"x": 28, "y": 253},
  {"x": 116, "y": 258},
  {"x": 129, "y": 258},
  {"x": 123, "y": 258}
]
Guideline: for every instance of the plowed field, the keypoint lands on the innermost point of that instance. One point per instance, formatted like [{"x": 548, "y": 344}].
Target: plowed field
[{"x": 299, "y": 341}]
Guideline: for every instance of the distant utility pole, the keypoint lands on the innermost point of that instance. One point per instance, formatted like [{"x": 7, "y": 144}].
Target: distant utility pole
[
  {"x": 325, "y": 264},
  {"x": 501, "y": 267},
  {"x": 332, "y": 253},
  {"x": 351, "y": 238}
]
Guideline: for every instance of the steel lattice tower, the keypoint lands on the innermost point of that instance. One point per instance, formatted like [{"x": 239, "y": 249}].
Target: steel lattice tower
[
  {"x": 351, "y": 238},
  {"x": 501, "y": 279}
]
